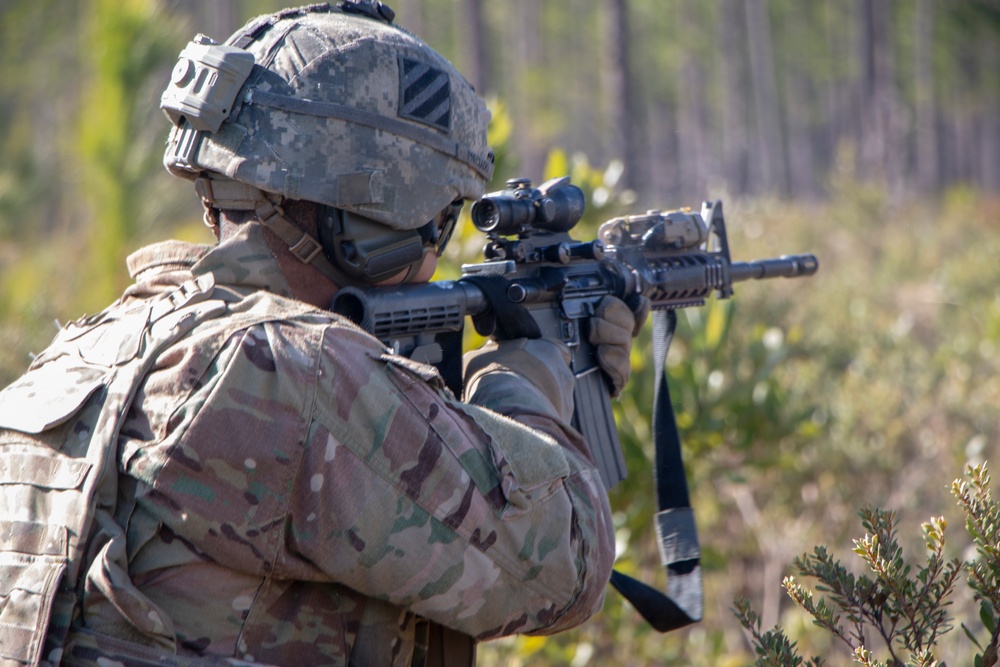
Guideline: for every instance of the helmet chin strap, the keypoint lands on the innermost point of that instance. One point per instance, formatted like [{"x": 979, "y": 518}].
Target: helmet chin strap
[{"x": 222, "y": 193}]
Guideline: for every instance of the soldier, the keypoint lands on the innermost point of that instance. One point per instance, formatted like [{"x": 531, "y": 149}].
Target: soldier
[{"x": 217, "y": 469}]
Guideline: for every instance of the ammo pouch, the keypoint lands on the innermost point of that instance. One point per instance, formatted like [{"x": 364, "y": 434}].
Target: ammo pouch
[{"x": 59, "y": 426}]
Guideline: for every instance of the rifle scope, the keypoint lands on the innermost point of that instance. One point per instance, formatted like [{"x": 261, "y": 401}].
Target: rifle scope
[{"x": 556, "y": 206}]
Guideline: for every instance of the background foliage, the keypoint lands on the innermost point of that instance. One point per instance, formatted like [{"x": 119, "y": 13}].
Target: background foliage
[{"x": 866, "y": 131}]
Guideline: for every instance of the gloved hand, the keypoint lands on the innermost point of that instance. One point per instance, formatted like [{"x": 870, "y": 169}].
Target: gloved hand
[{"x": 612, "y": 329}]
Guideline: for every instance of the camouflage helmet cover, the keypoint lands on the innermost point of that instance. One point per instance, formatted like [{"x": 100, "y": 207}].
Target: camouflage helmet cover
[{"x": 349, "y": 111}]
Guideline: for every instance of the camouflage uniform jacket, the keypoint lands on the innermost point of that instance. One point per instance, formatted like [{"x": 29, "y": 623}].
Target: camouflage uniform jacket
[{"x": 294, "y": 494}]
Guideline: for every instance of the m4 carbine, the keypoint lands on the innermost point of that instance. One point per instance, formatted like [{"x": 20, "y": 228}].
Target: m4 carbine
[{"x": 675, "y": 259}]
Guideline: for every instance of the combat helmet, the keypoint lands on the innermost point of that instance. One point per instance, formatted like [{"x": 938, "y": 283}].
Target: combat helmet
[{"x": 333, "y": 104}]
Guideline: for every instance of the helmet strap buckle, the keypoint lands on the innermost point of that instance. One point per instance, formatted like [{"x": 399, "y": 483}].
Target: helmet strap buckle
[
  {"x": 203, "y": 186},
  {"x": 272, "y": 216},
  {"x": 307, "y": 249}
]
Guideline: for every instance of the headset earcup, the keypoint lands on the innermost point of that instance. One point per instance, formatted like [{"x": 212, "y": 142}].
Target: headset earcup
[{"x": 366, "y": 250}]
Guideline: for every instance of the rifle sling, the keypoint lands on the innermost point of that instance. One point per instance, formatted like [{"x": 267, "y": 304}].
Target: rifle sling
[
  {"x": 450, "y": 365},
  {"x": 675, "y": 526}
]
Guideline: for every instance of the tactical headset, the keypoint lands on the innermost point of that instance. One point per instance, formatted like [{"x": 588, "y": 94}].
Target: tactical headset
[{"x": 368, "y": 251}]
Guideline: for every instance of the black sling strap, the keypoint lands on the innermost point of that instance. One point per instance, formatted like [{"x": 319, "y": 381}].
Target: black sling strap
[{"x": 675, "y": 526}]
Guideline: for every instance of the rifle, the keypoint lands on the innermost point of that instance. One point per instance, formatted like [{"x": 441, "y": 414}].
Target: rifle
[{"x": 675, "y": 259}]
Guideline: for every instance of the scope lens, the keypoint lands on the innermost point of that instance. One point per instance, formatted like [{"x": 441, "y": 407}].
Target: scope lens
[{"x": 485, "y": 215}]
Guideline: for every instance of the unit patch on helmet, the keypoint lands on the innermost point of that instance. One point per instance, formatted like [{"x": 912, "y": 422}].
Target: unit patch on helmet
[{"x": 424, "y": 94}]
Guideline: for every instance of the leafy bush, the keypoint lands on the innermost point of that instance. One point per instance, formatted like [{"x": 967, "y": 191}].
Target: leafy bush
[{"x": 907, "y": 612}]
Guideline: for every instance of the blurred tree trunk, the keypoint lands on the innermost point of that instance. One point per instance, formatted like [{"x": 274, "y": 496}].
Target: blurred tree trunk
[
  {"x": 620, "y": 91},
  {"x": 692, "y": 112},
  {"x": 522, "y": 46},
  {"x": 772, "y": 172},
  {"x": 799, "y": 95},
  {"x": 733, "y": 95},
  {"x": 663, "y": 150},
  {"x": 415, "y": 14},
  {"x": 842, "y": 96},
  {"x": 990, "y": 132},
  {"x": 801, "y": 156},
  {"x": 476, "y": 64},
  {"x": 575, "y": 80},
  {"x": 224, "y": 18},
  {"x": 965, "y": 144},
  {"x": 217, "y": 19},
  {"x": 880, "y": 147},
  {"x": 925, "y": 108}
]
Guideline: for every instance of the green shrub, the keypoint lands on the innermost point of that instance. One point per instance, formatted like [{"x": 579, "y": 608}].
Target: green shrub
[{"x": 898, "y": 607}]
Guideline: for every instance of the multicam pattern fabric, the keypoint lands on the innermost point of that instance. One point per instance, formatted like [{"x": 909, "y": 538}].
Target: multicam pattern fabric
[{"x": 291, "y": 493}]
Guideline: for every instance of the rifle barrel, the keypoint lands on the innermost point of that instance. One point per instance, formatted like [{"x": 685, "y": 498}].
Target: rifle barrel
[{"x": 786, "y": 266}]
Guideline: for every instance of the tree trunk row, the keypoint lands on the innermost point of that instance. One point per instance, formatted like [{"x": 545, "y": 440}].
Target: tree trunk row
[{"x": 767, "y": 104}]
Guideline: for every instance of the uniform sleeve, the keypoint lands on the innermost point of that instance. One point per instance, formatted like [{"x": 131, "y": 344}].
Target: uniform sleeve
[
  {"x": 529, "y": 381},
  {"x": 488, "y": 523}
]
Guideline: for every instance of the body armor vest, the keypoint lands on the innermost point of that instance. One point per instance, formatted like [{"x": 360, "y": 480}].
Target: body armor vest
[
  {"x": 59, "y": 484},
  {"x": 59, "y": 427}
]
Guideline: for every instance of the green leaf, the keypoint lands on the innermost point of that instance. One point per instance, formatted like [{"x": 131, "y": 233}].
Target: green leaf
[
  {"x": 987, "y": 617},
  {"x": 716, "y": 325},
  {"x": 972, "y": 638}
]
